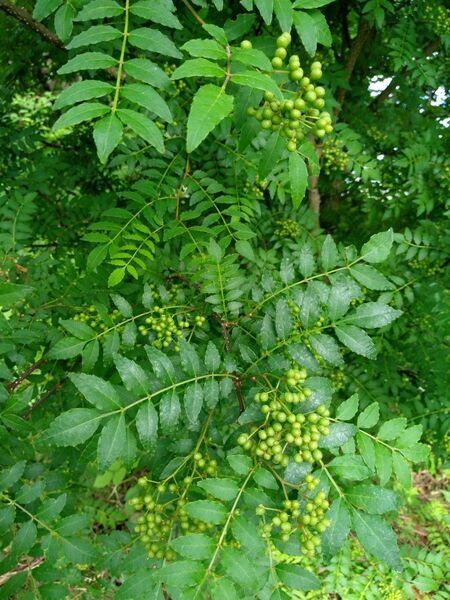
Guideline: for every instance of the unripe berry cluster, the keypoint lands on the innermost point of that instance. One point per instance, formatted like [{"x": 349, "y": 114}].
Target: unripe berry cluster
[
  {"x": 439, "y": 17},
  {"x": 295, "y": 116},
  {"x": 287, "y": 228},
  {"x": 93, "y": 319},
  {"x": 333, "y": 156},
  {"x": 257, "y": 188},
  {"x": 305, "y": 519},
  {"x": 287, "y": 434},
  {"x": 162, "y": 508},
  {"x": 426, "y": 266}
]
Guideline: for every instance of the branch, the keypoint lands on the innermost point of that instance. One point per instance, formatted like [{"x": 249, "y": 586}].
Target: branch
[
  {"x": 43, "y": 398},
  {"x": 23, "y": 566},
  {"x": 236, "y": 381},
  {"x": 364, "y": 32},
  {"x": 389, "y": 89},
  {"x": 313, "y": 191},
  {"x": 21, "y": 14},
  {"x": 13, "y": 384}
]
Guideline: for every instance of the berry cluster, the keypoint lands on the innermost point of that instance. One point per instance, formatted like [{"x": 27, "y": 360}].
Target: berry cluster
[
  {"x": 305, "y": 519},
  {"x": 286, "y": 433},
  {"x": 295, "y": 116},
  {"x": 93, "y": 319},
  {"x": 426, "y": 266},
  {"x": 162, "y": 508},
  {"x": 257, "y": 188},
  {"x": 287, "y": 228},
  {"x": 333, "y": 156},
  {"x": 439, "y": 17}
]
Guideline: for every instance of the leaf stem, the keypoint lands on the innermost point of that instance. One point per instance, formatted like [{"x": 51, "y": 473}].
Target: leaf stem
[{"x": 121, "y": 58}]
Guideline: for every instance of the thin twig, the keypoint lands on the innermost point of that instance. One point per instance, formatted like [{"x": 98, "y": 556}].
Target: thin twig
[
  {"x": 43, "y": 398},
  {"x": 13, "y": 384}
]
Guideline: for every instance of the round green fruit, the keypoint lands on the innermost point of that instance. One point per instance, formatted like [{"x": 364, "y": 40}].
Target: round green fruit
[
  {"x": 277, "y": 63},
  {"x": 246, "y": 45}
]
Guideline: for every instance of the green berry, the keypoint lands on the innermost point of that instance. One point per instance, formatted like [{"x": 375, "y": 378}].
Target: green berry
[
  {"x": 281, "y": 53},
  {"x": 246, "y": 45},
  {"x": 277, "y": 63}
]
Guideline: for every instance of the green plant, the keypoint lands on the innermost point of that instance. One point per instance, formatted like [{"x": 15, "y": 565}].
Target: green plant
[{"x": 205, "y": 391}]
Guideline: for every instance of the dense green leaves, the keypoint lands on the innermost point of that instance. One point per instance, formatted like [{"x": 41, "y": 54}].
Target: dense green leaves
[{"x": 209, "y": 106}]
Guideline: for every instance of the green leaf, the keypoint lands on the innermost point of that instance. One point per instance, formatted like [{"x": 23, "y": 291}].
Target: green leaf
[
  {"x": 196, "y": 546},
  {"x": 348, "y": 409},
  {"x": 257, "y": 81},
  {"x": 265, "y": 479},
  {"x": 283, "y": 11},
  {"x": 383, "y": 461},
  {"x": 64, "y": 21},
  {"x": 240, "y": 463},
  {"x": 24, "y": 539},
  {"x": 205, "y": 49},
  {"x": 193, "y": 402},
  {"x": 335, "y": 535},
  {"x": 391, "y": 429},
  {"x": 66, "y": 348},
  {"x": 223, "y": 589},
  {"x": 148, "y": 98},
  {"x": 410, "y": 436},
  {"x": 145, "y": 70},
  {"x": 349, "y": 467},
  {"x": 138, "y": 585},
  {"x": 238, "y": 567},
  {"x": 211, "y": 393},
  {"x": 307, "y": 31},
  {"x": 297, "y": 577},
  {"x": 153, "y": 41},
  {"x": 143, "y": 127},
  {"x": 80, "y": 113},
  {"x": 416, "y": 453},
  {"x": 73, "y": 427},
  {"x": 373, "y": 499},
  {"x": 370, "y": 278},
  {"x": 79, "y": 550},
  {"x": 298, "y": 177},
  {"x": 44, "y": 8},
  {"x": 161, "y": 364},
  {"x": 94, "y": 35},
  {"x": 252, "y": 57},
  {"x": 107, "y": 135},
  {"x": 147, "y": 424},
  {"x": 181, "y": 574},
  {"x": 283, "y": 319},
  {"x": 52, "y": 508},
  {"x": 208, "y": 511},
  {"x": 271, "y": 154},
  {"x": 189, "y": 359},
  {"x": 132, "y": 375},
  {"x": 169, "y": 413},
  {"x": 311, "y": 3},
  {"x": 10, "y": 293},
  {"x": 247, "y": 534},
  {"x": 90, "y": 355},
  {"x": 329, "y": 254},
  {"x": 402, "y": 469},
  {"x": 265, "y": 7},
  {"x": 366, "y": 448},
  {"x": 377, "y": 538},
  {"x": 327, "y": 348},
  {"x": 98, "y": 392},
  {"x": 373, "y": 314},
  {"x": 223, "y": 489},
  {"x": 357, "y": 340},
  {"x": 209, "y": 107},
  {"x": 212, "y": 358},
  {"x": 99, "y": 9},
  {"x": 116, "y": 276},
  {"x": 323, "y": 32},
  {"x": 158, "y": 11},
  {"x": 369, "y": 417},
  {"x": 9, "y": 477},
  {"x": 339, "y": 434},
  {"x": 87, "y": 61},
  {"x": 378, "y": 248},
  {"x": 198, "y": 67},
  {"x": 78, "y": 329},
  {"x": 111, "y": 442}
]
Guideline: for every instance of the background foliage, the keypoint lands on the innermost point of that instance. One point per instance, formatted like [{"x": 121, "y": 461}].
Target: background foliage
[{"x": 224, "y": 341}]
